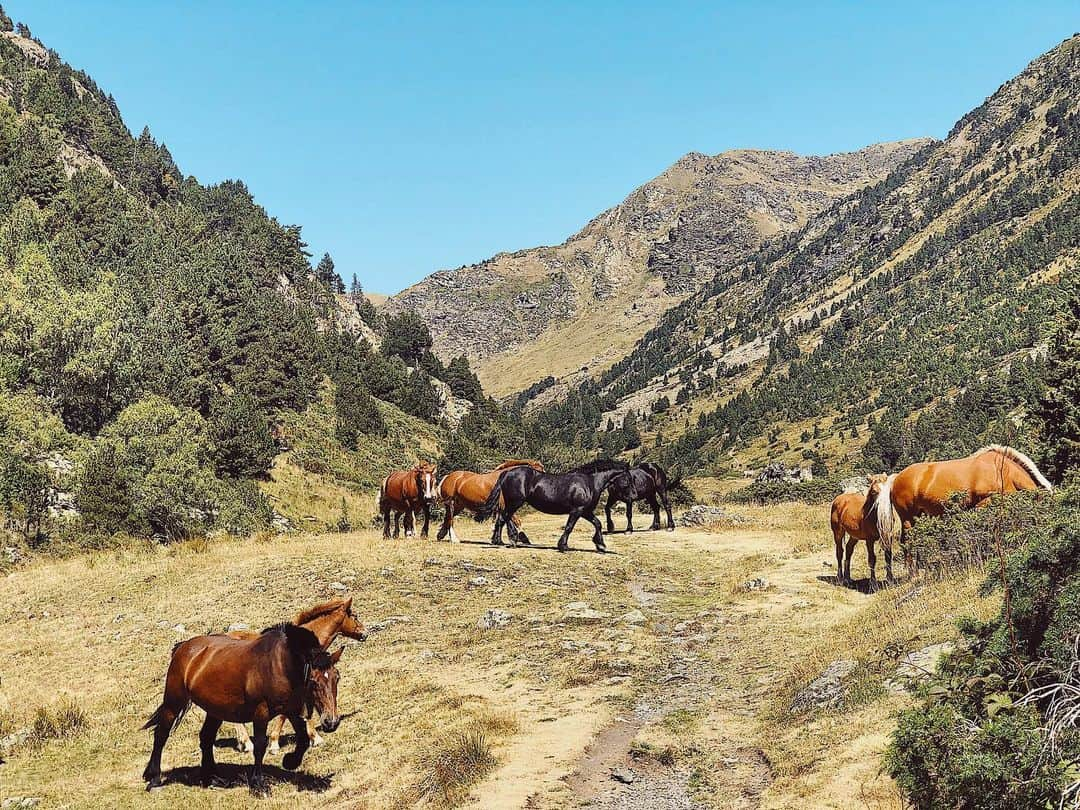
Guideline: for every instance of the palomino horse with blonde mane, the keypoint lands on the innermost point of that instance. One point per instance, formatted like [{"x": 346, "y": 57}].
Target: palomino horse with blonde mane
[
  {"x": 462, "y": 489},
  {"x": 327, "y": 621},
  {"x": 406, "y": 492},
  {"x": 855, "y": 514},
  {"x": 927, "y": 487}
]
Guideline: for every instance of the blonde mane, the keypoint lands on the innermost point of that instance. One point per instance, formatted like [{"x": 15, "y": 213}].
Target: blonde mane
[{"x": 1025, "y": 462}]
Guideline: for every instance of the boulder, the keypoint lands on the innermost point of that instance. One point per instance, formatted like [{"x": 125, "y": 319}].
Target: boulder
[
  {"x": 582, "y": 613},
  {"x": 827, "y": 690},
  {"x": 494, "y": 619},
  {"x": 635, "y": 617}
]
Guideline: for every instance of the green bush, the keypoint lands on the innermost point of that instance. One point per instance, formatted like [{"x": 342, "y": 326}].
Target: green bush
[
  {"x": 817, "y": 490},
  {"x": 978, "y": 737}
]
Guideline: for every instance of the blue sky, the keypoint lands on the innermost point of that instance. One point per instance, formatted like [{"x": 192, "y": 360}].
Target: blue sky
[{"x": 409, "y": 137}]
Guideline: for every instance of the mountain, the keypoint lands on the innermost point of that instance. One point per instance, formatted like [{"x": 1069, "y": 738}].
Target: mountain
[
  {"x": 550, "y": 310},
  {"x": 907, "y": 320}
]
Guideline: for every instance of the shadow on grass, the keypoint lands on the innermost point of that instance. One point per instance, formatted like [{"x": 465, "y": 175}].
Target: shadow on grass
[
  {"x": 860, "y": 585},
  {"x": 230, "y": 775},
  {"x": 538, "y": 546}
]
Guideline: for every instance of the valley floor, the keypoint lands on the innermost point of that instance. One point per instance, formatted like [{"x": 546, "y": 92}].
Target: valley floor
[{"x": 688, "y": 704}]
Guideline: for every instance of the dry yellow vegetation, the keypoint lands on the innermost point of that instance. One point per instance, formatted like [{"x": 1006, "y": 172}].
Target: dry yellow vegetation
[{"x": 694, "y": 698}]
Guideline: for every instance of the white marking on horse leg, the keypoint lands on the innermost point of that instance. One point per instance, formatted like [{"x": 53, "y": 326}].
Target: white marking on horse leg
[{"x": 453, "y": 535}]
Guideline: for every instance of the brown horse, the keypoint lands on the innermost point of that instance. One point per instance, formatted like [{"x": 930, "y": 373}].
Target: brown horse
[
  {"x": 462, "y": 489},
  {"x": 855, "y": 514},
  {"x": 326, "y": 621},
  {"x": 283, "y": 671},
  {"x": 927, "y": 487},
  {"x": 405, "y": 492}
]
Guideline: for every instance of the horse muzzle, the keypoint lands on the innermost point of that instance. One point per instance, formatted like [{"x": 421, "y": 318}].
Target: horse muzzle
[{"x": 329, "y": 724}]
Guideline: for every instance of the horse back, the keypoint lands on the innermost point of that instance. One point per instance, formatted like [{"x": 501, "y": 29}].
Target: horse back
[{"x": 399, "y": 489}]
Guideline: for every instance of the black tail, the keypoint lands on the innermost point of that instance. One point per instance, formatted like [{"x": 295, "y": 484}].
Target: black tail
[
  {"x": 673, "y": 484},
  {"x": 155, "y": 718},
  {"x": 491, "y": 505}
]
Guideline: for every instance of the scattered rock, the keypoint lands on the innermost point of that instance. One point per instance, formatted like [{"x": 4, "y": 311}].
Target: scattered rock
[
  {"x": 624, "y": 775},
  {"x": 389, "y": 621},
  {"x": 469, "y": 565},
  {"x": 433, "y": 561},
  {"x": 778, "y": 472},
  {"x": 478, "y": 582},
  {"x": 702, "y": 515},
  {"x": 281, "y": 524},
  {"x": 857, "y": 483},
  {"x": 755, "y": 584},
  {"x": 20, "y": 802},
  {"x": 426, "y": 656},
  {"x": 581, "y": 613},
  {"x": 15, "y": 739},
  {"x": 918, "y": 665},
  {"x": 236, "y": 627},
  {"x": 494, "y": 619},
  {"x": 338, "y": 586},
  {"x": 827, "y": 690},
  {"x": 14, "y": 555},
  {"x": 179, "y": 628},
  {"x": 635, "y": 617},
  {"x": 386, "y": 572}
]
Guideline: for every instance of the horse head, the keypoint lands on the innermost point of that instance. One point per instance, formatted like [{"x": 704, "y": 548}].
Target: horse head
[
  {"x": 350, "y": 625},
  {"x": 322, "y": 687},
  {"x": 426, "y": 482}
]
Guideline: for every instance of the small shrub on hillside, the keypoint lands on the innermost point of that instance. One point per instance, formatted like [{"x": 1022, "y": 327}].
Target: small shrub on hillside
[
  {"x": 65, "y": 721},
  {"x": 762, "y": 493},
  {"x": 455, "y": 766}
]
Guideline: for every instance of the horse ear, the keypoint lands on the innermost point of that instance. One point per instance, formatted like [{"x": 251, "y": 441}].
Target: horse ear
[
  {"x": 348, "y": 604},
  {"x": 336, "y": 656}
]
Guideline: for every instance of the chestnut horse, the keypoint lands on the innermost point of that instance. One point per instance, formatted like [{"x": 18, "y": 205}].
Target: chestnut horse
[
  {"x": 926, "y": 488},
  {"x": 283, "y": 671},
  {"x": 326, "y": 621},
  {"x": 855, "y": 514},
  {"x": 462, "y": 489},
  {"x": 406, "y": 492}
]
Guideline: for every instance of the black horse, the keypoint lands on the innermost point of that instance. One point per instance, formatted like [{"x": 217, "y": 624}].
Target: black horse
[
  {"x": 644, "y": 482},
  {"x": 575, "y": 493}
]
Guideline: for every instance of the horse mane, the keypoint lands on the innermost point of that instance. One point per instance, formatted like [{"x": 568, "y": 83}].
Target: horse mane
[
  {"x": 1024, "y": 461},
  {"x": 319, "y": 610},
  {"x": 519, "y": 462},
  {"x": 600, "y": 465},
  {"x": 301, "y": 642}
]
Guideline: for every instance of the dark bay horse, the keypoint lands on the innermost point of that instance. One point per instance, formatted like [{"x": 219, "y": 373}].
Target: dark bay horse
[
  {"x": 926, "y": 488},
  {"x": 643, "y": 482},
  {"x": 575, "y": 493},
  {"x": 327, "y": 621},
  {"x": 283, "y": 671},
  {"x": 405, "y": 492},
  {"x": 462, "y": 490}
]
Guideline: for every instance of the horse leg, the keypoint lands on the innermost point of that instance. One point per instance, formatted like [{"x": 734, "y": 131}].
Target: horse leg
[
  {"x": 570, "y": 521},
  {"x": 496, "y": 532},
  {"x": 410, "y": 522},
  {"x": 851, "y": 543},
  {"x": 166, "y": 716},
  {"x": 447, "y": 524},
  {"x": 522, "y": 538},
  {"x": 598, "y": 536},
  {"x": 513, "y": 533},
  {"x": 889, "y": 578},
  {"x": 243, "y": 739},
  {"x": 655, "y": 504},
  {"x": 607, "y": 512},
  {"x": 871, "y": 559},
  {"x": 667, "y": 508},
  {"x": 385, "y": 522},
  {"x": 629, "y": 517},
  {"x": 277, "y": 725},
  {"x": 397, "y": 524},
  {"x": 257, "y": 780},
  {"x": 207, "y": 736},
  {"x": 838, "y": 539},
  {"x": 313, "y": 731},
  {"x": 291, "y": 761},
  {"x": 427, "y": 520},
  {"x": 909, "y": 554}
]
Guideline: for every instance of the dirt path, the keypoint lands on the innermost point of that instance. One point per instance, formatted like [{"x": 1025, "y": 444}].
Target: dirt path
[{"x": 713, "y": 666}]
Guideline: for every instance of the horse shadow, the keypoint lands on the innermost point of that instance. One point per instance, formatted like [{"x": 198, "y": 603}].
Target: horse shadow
[
  {"x": 232, "y": 775},
  {"x": 860, "y": 585},
  {"x": 535, "y": 545}
]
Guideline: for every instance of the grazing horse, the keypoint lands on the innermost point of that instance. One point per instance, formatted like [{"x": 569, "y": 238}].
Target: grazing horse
[
  {"x": 644, "y": 482},
  {"x": 462, "y": 489},
  {"x": 283, "y": 671},
  {"x": 575, "y": 493},
  {"x": 926, "y": 488},
  {"x": 327, "y": 621},
  {"x": 855, "y": 514},
  {"x": 406, "y": 492}
]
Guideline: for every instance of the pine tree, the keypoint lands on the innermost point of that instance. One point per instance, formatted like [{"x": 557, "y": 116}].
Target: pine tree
[{"x": 1059, "y": 410}]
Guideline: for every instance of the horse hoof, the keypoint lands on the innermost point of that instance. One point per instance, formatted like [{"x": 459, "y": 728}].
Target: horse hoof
[
  {"x": 562, "y": 549},
  {"x": 496, "y": 542},
  {"x": 316, "y": 740},
  {"x": 260, "y": 788},
  {"x": 291, "y": 761},
  {"x": 245, "y": 746},
  {"x": 153, "y": 782},
  {"x": 274, "y": 748}
]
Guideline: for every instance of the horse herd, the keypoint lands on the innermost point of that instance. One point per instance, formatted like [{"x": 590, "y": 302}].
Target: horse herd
[
  {"x": 286, "y": 671},
  {"x": 502, "y": 491}
]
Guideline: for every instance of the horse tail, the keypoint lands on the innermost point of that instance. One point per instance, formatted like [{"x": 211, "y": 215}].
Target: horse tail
[
  {"x": 155, "y": 718},
  {"x": 1022, "y": 460},
  {"x": 887, "y": 517},
  {"x": 492, "y": 502}
]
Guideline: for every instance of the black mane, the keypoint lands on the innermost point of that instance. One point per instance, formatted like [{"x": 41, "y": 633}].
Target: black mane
[
  {"x": 600, "y": 465},
  {"x": 302, "y": 643}
]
